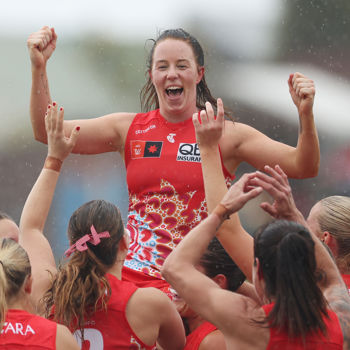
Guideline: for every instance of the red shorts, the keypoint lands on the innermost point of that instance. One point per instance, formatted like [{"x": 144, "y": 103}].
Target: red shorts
[{"x": 142, "y": 280}]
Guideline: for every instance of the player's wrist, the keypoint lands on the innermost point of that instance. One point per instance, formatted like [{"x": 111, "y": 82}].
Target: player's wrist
[
  {"x": 53, "y": 163},
  {"x": 221, "y": 212}
]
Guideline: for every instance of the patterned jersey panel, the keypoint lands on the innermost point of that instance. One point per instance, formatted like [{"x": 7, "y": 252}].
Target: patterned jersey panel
[{"x": 166, "y": 191}]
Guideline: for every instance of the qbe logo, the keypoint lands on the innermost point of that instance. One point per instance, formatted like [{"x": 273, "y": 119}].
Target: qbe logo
[{"x": 188, "y": 152}]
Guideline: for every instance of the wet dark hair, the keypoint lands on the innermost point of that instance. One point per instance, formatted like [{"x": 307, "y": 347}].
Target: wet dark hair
[
  {"x": 216, "y": 261},
  {"x": 148, "y": 95},
  {"x": 286, "y": 254},
  {"x": 80, "y": 287}
]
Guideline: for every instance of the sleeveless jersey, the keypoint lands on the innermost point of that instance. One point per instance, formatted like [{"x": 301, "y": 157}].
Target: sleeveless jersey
[
  {"x": 110, "y": 329},
  {"x": 166, "y": 190},
  {"x": 194, "y": 339},
  {"x": 316, "y": 341},
  {"x": 346, "y": 279},
  {"x": 23, "y": 330}
]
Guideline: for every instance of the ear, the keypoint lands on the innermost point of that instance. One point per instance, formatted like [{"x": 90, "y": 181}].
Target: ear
[
  {"x": 124, "y": 242},
  {"x": 221, "y": 280},
  {"x": 326, "y": 237},
  {"x": 330, "y": 240},
  {"x": 200, "y": 74},
  {"x": 28, "y": 284}
]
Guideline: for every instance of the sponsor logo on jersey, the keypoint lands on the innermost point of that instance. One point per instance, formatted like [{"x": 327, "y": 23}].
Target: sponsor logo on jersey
[
  {"x": 146, "y": 149},
  {"x": 188, "y": 152},
  {"x": 170, "y": 138},
  {"x": 143, "y": 131}
]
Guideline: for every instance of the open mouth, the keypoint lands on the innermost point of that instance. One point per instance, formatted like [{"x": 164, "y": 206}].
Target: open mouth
[{"x": 174, "y": 91}]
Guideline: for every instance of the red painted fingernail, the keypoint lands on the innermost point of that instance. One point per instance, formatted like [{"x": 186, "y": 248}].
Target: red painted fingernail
[
  {"x": 49, "y": 106},
  {"x": 54, "y": 104},
  {"x": 61, "y": 108},
  {"x": 78, "y": 128}
]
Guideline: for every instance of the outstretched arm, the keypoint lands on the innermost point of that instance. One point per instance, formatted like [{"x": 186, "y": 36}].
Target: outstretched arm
[
  {"x": 307, "y": 153},
  {"x": 38, "y": 203},
  {"x": 236, "y": 241},
  {"x": 200, "y": 292},
  {"x": 99, "y": 135},
  {"x": 245, "y": 143},
  {"x": 41, "y": 45}
]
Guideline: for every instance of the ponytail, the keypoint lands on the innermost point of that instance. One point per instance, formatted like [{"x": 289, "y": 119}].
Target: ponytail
[
  {"x": 79, "y": 289},
  {"x": 14, "y": 269},
  {"x": 288, "y": 265},
  {"x": 3, "y": 287}
]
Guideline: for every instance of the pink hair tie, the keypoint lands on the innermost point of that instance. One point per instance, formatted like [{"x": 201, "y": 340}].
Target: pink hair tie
[{"x": 80, "y": 245}]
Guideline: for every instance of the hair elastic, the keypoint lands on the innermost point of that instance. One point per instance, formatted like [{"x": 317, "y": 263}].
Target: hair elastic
[{"x": 81, "y": 244}]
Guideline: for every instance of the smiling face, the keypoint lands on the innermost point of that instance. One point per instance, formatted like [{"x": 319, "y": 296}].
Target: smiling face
[{"x": 175, "y": 75}]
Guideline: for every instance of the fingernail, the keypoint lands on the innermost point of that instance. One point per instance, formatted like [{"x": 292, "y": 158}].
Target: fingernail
[
  {"x": 49, "y": 106},
  {"x": 54, "y": 104},
  {"x": 77, "y": 128},
  {"x": 61, "y": 108}
]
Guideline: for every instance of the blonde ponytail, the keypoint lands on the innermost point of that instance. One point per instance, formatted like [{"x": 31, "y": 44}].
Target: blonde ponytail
[
  {"x": 3, "y": 287},
  {"x": 14, "y": 268}
]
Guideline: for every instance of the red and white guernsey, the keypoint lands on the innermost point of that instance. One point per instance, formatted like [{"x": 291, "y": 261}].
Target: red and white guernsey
[
  {"x": 195, "y": 338},
  {"x": 315, "y": 341},
  {"x": 23, "y": 330},
  {"x": 110, "y": 329},
  {"x": 166, "y": 190}
]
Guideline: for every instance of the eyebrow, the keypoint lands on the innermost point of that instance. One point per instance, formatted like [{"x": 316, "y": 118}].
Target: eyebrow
[
  {"x": 161, "y": 61},
  {"x": 178, "y": 61},
  {"x": 183, "y": 60}
]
